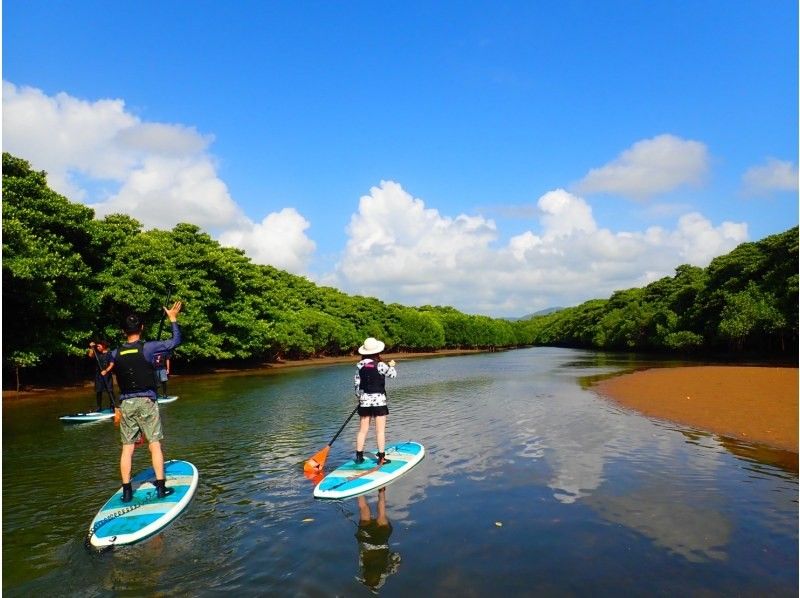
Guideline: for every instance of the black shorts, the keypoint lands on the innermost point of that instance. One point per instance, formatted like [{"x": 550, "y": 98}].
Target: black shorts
[{"x": 373, "y": 411}]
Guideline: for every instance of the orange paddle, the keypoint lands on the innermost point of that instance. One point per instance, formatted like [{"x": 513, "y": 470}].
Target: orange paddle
[{"x": 317, "y": 462}]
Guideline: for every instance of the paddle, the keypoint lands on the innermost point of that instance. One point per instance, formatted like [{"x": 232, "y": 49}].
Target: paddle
[
  {"x": 317, "y": 462},
  {"x": 170, "y": 288},
  {"x": 164, "y": 315}
]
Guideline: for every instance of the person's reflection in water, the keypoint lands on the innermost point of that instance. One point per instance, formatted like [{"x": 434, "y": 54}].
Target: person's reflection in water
[{"x": 376, "y": 561}]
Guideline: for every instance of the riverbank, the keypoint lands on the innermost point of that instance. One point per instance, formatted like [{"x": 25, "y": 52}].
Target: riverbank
[
  {"x": 264, "y": 368},
  {"x": 754, "y": 404}
]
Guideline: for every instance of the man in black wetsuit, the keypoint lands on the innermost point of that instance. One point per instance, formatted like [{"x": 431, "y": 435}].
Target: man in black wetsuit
[{"x": 132, "y": 363}]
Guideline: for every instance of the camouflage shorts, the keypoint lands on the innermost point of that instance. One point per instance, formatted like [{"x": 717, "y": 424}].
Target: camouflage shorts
[{"x": 140, "y": 414}]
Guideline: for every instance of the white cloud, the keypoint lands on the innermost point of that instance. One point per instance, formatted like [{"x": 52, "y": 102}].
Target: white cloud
[
  {"x": 397, "y": 248},
  {"x": 401, "y": 251},
  {"x": 395, "y": 242},
  {"x": 772, "y": 176},
  {"x": 279, "y": 240},
  {"x": 162, "y": 191},
  {"x": 159, "y": 173},
  {"x": 61, "y": 134},
  {"x": 565, "y": 214},
  {"x": 161, "y": 139},
  {"x": 650, "y": 167}
]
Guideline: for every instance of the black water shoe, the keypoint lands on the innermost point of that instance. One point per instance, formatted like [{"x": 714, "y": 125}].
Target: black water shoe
[
  {"x": 359, "y": 457},
  {"x": 162, "y": 490},
  {"x": 127, "y": 492},
  {"x": 382, "y": 460}
]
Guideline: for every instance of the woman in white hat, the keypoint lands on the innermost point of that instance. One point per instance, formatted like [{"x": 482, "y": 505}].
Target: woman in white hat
[{"x": 370, "y": 387}]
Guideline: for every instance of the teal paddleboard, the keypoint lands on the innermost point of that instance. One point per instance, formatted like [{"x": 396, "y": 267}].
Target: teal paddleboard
[
  {"x": 118, "y": 523},
  {"x": 352, "y": 479},
  {"x": 89, "y": 416}
]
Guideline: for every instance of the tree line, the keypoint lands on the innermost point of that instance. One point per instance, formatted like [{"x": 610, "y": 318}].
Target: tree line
[
  {"x": 744, "y": 302},
  {"x": 69, "y": 278}
]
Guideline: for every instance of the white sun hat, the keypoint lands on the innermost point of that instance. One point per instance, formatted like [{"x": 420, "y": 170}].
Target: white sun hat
[{"x": 371, "y": 346}]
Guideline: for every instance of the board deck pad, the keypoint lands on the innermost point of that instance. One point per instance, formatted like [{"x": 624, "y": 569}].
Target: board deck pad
[
  {"x": 89, "y": 416},
  {"x": 118, "y": 523},
  {"x": 351, "y": 479}
]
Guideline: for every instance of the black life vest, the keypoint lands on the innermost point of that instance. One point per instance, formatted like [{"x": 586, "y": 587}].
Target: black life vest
[
  {"x": 372, "y": 381},
  {"x": 102, "y": 360},
  {"x": 134, "y": 372}
]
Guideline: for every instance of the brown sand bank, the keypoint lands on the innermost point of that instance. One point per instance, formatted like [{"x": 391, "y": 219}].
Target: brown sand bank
[{"x": 755, "y": 404}]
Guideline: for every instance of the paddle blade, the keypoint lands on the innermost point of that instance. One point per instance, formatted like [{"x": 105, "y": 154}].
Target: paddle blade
[
  {"x": 117, "y": 416},
  {"x": 317, "y": 462},
  {"x": 315, "y": 477}
]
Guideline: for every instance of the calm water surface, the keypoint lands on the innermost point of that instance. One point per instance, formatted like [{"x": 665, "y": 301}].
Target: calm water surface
[{"x": 532, "y": 485}]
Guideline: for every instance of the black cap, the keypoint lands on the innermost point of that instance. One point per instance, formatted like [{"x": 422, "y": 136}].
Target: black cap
[{"x": 132, "y": 324}]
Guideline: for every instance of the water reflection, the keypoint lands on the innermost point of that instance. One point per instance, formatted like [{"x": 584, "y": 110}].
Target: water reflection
[
  {"x": 376, "y": 560},
  {"x": 592, "y": 499},
  {"x": 697, "y": 531}
]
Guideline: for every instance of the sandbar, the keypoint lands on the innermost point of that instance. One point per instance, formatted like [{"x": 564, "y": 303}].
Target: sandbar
[{"x": 753, "y": 404}]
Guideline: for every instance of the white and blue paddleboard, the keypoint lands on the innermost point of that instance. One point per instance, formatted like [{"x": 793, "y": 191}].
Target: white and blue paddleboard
[
  {"x": 89, "y": 416},
  {"x": 166, "y": 399},
  {"x": 120, "y": 522},
  {"x": 351, "y": 479}
]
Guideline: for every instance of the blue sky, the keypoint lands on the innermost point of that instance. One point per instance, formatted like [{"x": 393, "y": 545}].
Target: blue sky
[{"x": 500, "y": 157}]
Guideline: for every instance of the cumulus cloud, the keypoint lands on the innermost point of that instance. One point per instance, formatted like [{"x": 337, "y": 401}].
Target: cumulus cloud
[
  {"x": 64, "y": 135},
  {"x": 397, "y": 248},
  {"x": 159, "y": 173},
  {"x": 394, "y": 241},
  {"x": 771, "y": 177},
  {"x": 279, "y": 239},
  {"x": 400, "y": 250},
  {"x": 650, "y": 167},
  {"x": 162, "y": 191}
]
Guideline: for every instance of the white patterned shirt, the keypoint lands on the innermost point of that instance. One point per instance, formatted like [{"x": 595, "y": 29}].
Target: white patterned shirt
[{"x": 372, "y": 399}]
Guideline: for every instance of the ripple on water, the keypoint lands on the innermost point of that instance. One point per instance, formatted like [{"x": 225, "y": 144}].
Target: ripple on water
[{"x": 582, "y": 492}]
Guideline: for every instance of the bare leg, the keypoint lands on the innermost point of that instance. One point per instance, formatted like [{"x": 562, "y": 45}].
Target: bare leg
[
  {"x": 380, "y": 432},
  {"x": 361, "y": 438},
  {"x": 158, "y": 459},
  {"x": 364, "y": 514},
  {"x": 382, "y": 519},
  {"x": 125, "y": 463}
]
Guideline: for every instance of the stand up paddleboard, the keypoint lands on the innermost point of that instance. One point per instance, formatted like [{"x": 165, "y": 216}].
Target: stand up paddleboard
[
  {"x": 352, "y": 479},
  {"x": 119, "y": 523},
  {"x": 166, "y": 399},
  {"x": 89, "y": 416}
]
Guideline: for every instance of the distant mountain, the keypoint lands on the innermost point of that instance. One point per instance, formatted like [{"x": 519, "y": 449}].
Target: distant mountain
[{"x": 541, "y": 312}]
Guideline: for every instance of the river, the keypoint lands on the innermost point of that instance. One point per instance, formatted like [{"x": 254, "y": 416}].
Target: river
[{"x": 532, "y": 485}]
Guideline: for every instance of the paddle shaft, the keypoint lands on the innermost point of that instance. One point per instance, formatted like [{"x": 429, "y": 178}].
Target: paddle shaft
[
  {"x": 343, "y": 425},
  {"x": 163, "y": 315}
]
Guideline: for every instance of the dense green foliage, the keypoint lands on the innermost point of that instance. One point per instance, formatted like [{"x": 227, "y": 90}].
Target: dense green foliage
[
  {"x": 69, "y": 278},
  {"x": 744, "y": 301}
]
